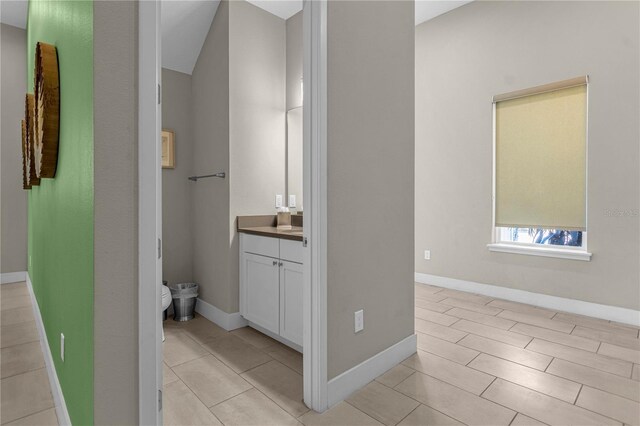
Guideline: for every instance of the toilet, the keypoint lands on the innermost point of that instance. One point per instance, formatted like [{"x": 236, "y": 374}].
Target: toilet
[{"x": 166, "y": 301}]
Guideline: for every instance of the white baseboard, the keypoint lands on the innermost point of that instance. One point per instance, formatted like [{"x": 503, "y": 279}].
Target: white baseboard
[
  {"x": 219, "y": 317},
  {"x": 13, "y": 277},
  {"x": 56, "y": 390},
  {"x": 580, "y": 307},
  {"x": 340, "y": 387}
]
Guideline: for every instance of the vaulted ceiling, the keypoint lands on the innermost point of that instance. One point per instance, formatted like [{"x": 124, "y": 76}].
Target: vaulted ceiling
[{"x": 186, "y": 23}]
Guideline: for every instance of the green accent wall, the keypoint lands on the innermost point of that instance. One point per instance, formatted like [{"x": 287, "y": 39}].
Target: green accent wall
[{"x": 61, "y": 210}]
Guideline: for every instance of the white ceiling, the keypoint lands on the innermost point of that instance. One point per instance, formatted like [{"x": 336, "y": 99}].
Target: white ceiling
[
  {"x": 14, "y": 12},
  {"x": 186, "y": 23},
  {"x": 285, "y": 9},
  {"x": 429, "y": 9}
]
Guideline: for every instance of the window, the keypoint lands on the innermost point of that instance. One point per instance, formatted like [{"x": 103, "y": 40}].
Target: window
[
  {"x": 550, "y": 237},
  {"x": 540, "y": 158}
]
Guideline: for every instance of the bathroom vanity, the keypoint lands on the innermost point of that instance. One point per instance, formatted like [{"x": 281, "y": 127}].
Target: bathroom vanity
[
  {"x": 270, "y": 259},
  {"x": 271, "y": 279}
]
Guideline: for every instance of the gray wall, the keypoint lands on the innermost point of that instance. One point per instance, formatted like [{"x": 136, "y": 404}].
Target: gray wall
[
  {"x": 13, "y": 245},
  {"x": 468, "y": 55},
  {"x": 257, "y": 90},
  {"x": 115, "y": 128},
  {"x": 294, "y": 61},
  {"x": 177, "y": 259},
  {"x": 370, "y": 178},
  {"x": 238, "y": 121},
  {"x": 210, "y": 197}
]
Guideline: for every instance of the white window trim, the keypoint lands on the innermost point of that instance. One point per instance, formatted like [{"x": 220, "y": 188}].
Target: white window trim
[
  {"x": 560, "y": 252},
  {"x": 532, "y": 249},
  {"x": 545, "y": 251}
]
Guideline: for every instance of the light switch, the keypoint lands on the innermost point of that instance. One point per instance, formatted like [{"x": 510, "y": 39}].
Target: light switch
[
  {"x": 292, "y": 200},
  {"x": 278, "y": 200}
]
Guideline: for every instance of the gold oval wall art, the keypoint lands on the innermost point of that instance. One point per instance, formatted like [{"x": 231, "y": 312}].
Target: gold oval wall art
[
  {"x": 46, "y": 111},
  {"x": 25, "y": 156},
  {"x": 30, "y": 172}
]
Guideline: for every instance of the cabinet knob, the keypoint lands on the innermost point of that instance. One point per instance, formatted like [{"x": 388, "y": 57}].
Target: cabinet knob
[
  {"x": 281, "y": 263},
  {"x": 275, "y": 262}
]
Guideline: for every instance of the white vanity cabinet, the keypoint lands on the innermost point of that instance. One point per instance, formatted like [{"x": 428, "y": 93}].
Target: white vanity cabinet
[
  {"x": 291, "y": 301},
  {"x": 261, "y": 291},
  {"x": 271, "y": 286}
]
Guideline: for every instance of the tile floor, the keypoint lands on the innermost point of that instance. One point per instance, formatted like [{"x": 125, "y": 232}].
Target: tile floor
[
  {"x": 480, "y": 361},
  {"x": 25, "y": 393}
]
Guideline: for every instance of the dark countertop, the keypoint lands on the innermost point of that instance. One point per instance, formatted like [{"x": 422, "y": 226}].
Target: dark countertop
[
  {"x": 295, "y": 233},
  {"x": 265, "y": 226}
]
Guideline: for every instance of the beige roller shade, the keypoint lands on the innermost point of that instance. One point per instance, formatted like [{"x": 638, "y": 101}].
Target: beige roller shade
[{"x": 541, "y": 159}]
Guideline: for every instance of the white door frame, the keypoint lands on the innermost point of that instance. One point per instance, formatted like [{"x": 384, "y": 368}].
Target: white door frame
[
  {"x": 149, "y": 215},
  {"x": 315, "y": 204}
]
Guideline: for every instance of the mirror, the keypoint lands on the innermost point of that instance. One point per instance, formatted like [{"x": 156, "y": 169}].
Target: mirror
[{"x": 294, "y": 156}]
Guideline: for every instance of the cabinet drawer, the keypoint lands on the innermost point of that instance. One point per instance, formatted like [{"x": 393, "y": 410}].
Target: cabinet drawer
[
  {"x": 291, "y": 250},
  {"x": 264, "y": 246}
]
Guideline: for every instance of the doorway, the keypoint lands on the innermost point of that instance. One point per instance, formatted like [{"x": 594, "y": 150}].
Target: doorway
[{"x": 150, "y": 210}]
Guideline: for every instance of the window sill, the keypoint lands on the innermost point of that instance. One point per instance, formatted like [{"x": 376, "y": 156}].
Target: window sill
[{"x": 559, "y": 253}]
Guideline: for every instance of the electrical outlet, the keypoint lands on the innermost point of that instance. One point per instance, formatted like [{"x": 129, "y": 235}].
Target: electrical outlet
[
  {"x": 278, "y": 200},
  {"x": 62, "y": 346},
  {"x": 292, "y": 200},
  {"x": 427, "y": 255},
  {"x": 359, "y": 320},
  {"x": 29, "y": 261}
]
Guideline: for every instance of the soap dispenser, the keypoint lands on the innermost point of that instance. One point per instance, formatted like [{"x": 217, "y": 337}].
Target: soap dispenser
[{"x": 284, "y": 218}]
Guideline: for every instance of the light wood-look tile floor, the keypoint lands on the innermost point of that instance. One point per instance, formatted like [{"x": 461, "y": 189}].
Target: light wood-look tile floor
[
  {"x": 25, "y": 393},
  {"x": 480, "y": 361}
]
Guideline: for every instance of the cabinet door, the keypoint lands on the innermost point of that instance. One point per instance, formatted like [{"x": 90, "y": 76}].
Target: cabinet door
[
  {"x": 291, "y": 302},
  {"x": 261, "y": 291}
]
